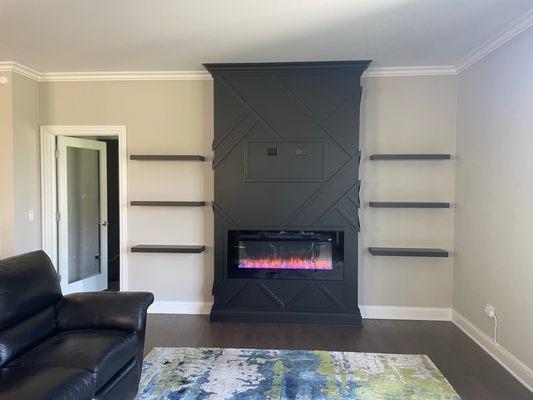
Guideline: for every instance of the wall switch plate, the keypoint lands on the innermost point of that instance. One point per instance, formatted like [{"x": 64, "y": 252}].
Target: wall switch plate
[{"x": 31, "y": 215}]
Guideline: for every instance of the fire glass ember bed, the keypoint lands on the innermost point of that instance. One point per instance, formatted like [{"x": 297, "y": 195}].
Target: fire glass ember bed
[{"x": 285, "y": 254}]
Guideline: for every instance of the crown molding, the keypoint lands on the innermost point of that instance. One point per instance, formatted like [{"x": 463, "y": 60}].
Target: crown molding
[
  {"x": 125, "y": 76},
  {"x": 189, "y": 75},
  {"x": 11, "y": 66},
  {"x": 514, "y": 29},
  {"x": 204, "y": 75},
  {"x": 6, "y": 66},
  {"x": 409, "y": 71}
]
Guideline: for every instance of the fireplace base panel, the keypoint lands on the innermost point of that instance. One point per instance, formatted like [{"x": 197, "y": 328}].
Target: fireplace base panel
[{"x": 325, "y": 318}]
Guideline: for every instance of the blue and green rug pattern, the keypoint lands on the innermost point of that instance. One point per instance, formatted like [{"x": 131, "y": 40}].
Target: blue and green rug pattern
[{"x": 242, "y": 374}]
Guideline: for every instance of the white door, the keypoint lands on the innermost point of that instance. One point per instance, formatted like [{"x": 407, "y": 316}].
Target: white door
[{"x": 82, "y": 214}]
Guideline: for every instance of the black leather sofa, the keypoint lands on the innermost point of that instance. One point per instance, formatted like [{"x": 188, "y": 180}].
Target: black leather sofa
[{"x": 53, "y": 347}]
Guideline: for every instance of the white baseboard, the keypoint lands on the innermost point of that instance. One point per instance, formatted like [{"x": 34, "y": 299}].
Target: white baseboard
[
  {"x": 406, "y": 313},
  {"x": 512, "y": 364},
  {"x": 180, "y": 307}
]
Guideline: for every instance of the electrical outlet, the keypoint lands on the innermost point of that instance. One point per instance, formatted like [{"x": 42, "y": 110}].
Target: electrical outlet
[
  {"x": 489, "y": 310},
  {"x": 31, "y": 215}
]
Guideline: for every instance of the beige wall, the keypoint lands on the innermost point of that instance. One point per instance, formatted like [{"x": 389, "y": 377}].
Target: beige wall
[
  {"x": 162, "y": 117},
  {"x": 494, "y": 192},
  {"x": 398, "y": 114},
  {"x": 26, "y": 160},
  {"x": 19, "y": 166},
  {"x": 7, "y": 214},
  {"x": 407, "y": 115}
]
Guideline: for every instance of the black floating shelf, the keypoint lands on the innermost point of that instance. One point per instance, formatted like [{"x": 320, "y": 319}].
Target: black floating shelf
[
  {"x": 407, "y": 252},
  {"x": 385, "y": 157},
  {"x": 166, "y": 157},
  {"x": 161, "y": 248},
  {"x": 168, "y": 203},
  {"x": 407, "y": 204}
]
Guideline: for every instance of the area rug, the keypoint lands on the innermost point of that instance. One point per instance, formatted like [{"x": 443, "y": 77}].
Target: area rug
[{"x": 241, "y": 374}]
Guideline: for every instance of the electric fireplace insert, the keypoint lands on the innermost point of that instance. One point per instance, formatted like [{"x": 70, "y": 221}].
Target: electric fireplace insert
[{"x": 285, "y": 254}]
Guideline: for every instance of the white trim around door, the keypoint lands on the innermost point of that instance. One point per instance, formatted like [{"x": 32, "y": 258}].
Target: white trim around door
[{"x": 49, "y": 186}]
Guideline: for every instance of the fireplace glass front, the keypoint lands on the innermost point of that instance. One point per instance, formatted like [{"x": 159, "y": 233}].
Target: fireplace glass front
[{"x": 285, "y": 254}]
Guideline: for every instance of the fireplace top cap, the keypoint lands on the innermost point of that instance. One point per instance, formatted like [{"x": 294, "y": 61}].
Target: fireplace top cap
[{"x": 359, "y": 65}]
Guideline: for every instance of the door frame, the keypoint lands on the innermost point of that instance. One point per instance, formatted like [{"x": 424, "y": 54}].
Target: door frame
[{"x": 49, "y": 186}]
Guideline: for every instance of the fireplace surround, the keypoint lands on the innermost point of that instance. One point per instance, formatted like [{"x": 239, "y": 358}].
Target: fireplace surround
[{"x": 286, "y": 167}]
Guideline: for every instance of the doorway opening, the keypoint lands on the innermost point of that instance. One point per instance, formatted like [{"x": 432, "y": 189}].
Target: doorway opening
[
  {"x": 83, "y": 177},
  {"x": 113, "y": 217}
]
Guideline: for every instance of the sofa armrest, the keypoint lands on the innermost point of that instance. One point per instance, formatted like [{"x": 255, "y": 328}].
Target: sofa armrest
[{"x": 104, "y": 310}]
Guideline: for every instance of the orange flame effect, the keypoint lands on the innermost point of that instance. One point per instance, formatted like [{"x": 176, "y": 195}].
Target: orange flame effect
[{"x": 281, "y": 263}]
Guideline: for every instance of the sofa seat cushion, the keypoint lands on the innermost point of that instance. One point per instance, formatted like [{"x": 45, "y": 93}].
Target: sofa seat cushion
[
  {"x": 45, "y": 383},
  {"x": 101, "y": 352}
]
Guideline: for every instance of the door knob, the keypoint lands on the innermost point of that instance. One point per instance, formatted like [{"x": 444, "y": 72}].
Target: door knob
[{"x": 104, "y": 223}]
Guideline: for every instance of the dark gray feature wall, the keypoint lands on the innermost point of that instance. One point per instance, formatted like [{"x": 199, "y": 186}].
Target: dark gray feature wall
[{"x": 286, "y": 147}]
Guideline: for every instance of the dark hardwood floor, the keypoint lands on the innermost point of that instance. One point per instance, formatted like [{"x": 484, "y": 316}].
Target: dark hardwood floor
[{"x": 472, "y": 372}]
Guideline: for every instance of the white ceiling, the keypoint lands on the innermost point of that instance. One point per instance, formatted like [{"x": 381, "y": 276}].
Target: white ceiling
[{"x": 134, "y": 35}]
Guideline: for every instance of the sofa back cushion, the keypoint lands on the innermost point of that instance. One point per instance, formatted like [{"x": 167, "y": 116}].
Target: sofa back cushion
[
  {"x": 26, "y": 334},
  {"x": 29, "y": 288}
]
